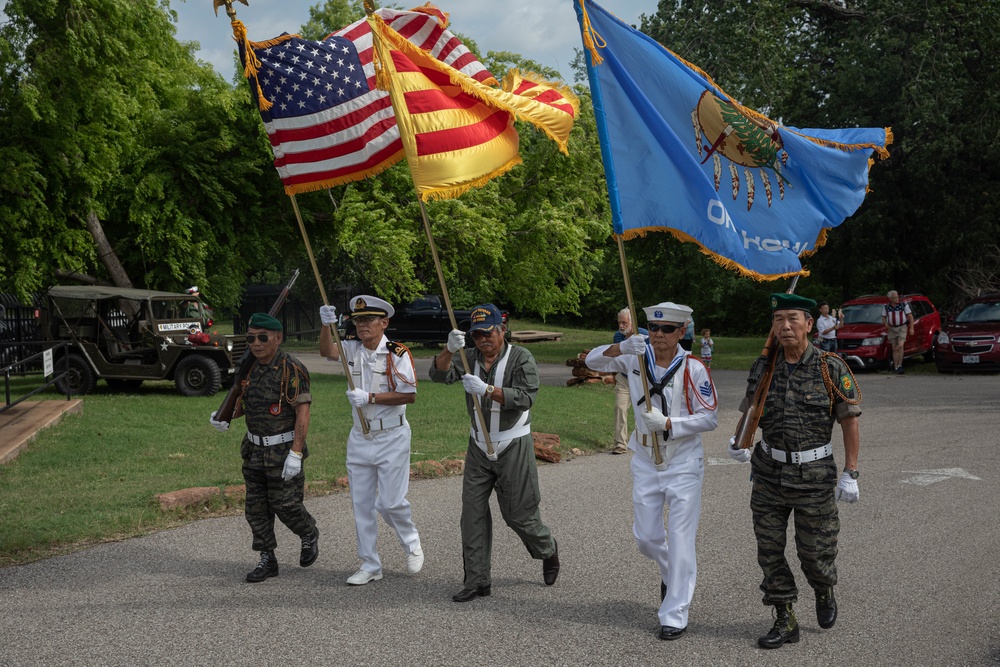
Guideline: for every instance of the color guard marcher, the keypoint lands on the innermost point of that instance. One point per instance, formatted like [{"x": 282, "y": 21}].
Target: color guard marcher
[
  {"x": 794, "y": 471},
  {"x": 684, "y": 406},
  {"x": 504, "y": 381},
  {"x": 275, "y": 402},
  {"x": 378, "y": 464}
]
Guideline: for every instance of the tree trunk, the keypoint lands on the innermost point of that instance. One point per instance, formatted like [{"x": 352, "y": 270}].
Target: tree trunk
[{"x": 106, "y": 253}]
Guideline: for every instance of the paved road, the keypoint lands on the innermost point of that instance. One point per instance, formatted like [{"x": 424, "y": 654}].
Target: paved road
[{"x": 919, "y": 582}]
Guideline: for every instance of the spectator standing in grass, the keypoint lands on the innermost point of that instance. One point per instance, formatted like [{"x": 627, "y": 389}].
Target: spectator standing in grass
[
  {"x": 622, "y": 398},
  {"x": 378, "y": 462},
  {"x": 707, "y": 347},
  {"x": 275, "y": 402}
]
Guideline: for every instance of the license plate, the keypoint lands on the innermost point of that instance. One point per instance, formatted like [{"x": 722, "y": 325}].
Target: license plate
[{"x": 970, "y": 358}]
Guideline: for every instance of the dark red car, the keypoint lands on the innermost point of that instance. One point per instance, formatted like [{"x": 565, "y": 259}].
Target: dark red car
[
  {"x": 971, "y": 341},
  {"x": 862, "y": 340}
]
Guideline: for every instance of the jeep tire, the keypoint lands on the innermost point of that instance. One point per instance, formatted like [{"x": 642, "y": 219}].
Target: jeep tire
[
  {"x": 197, "y": 375},
  {"x": 79, "y": 378}
]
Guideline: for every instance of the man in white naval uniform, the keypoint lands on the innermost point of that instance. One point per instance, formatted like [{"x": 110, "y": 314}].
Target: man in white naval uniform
[
  {"x": 378, "y": 464},
  {"x": 683, "y": 406}
]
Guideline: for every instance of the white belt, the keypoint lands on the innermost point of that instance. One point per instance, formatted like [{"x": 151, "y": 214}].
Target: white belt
[
  {"x": 797, "y": 458},
  {"x": 500, "y": 436},
  {"x": 386, "y": 424},
  {"x": 271, "y": 440}
]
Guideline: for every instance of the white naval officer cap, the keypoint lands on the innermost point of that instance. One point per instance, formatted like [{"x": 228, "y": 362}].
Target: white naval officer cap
[
  {"x": 364, "y": 304},
  {"x": 668, "y": 311}
]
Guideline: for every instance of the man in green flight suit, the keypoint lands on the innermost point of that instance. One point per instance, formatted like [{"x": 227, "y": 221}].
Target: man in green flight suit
[
  {"x": 504, "y": 381},
  {"x": 793, "y": 465},
  {"x": 275, "y": 402}
]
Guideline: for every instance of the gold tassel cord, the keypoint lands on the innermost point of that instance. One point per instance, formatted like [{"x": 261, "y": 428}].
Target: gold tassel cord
[{"x": 591, "y": 39}]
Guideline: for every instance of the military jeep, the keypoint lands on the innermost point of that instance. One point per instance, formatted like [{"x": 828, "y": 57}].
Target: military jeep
[{"x": 125, "y": 336}]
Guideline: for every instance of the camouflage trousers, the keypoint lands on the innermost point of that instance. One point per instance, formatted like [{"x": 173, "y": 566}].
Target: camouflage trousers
[
  {"x": 817, "y": 525},
  {"x": 268, "y": 495}
]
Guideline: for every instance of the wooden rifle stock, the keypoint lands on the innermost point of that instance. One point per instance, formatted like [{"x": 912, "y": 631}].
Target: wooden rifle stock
[
  {"x": 747, "y": 427},
  {"x": 228, "y": 407}
]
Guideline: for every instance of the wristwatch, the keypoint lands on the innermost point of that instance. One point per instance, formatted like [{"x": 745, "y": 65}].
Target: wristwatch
[
  {"x": 489, "y": 389},
  {"x": 853, "y": 473}
]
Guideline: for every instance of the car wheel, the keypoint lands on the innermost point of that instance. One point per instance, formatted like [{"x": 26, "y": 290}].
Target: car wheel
[
  {"x": 79, "y": 377},
  {"x": 119, "y": 384},
  {"x": 197, "y": 375}
]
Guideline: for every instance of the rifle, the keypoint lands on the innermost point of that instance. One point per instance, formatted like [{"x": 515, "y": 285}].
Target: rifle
[
  {"x": 746, "y": 429},
  {"x": 228, "y": 407}
]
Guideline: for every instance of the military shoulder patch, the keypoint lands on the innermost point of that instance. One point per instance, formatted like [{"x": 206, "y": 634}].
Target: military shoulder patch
[{"x": 396, "y": 348}]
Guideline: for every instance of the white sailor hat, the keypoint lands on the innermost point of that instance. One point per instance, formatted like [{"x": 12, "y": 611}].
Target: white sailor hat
[
  {"x": 363, "y": 304},
  {"x": 668, "y": 311}
]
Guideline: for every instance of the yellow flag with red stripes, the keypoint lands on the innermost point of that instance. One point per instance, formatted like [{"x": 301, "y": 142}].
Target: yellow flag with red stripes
[{"x": 458, "y": 133}]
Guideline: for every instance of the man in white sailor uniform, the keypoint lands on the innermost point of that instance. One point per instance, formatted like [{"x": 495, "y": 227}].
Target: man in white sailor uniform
[
  {"x": 682, "y": 406},
  {"x": 504, "y": 381},
  {"x": 378, "y": 463}
]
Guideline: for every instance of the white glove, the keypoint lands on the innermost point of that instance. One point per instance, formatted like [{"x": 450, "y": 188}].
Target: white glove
[
  {"x": 221, "y": 427},
  {"x": 633, "y": 345},
  {"x": 328, "y": 315},
  {"x": 737, "y": 454},
  {"x": 847, "y": 489},
  {"x": 655, "y": 420},
  {"x": 456, "y": 341},
  {"x": 358, "y": 397},
  {"x": 293, "y": 465},
  {"x": 474, "y": 384}
]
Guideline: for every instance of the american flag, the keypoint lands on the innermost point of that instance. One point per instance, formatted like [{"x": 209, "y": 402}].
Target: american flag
[{"x": 328, "y": 124}]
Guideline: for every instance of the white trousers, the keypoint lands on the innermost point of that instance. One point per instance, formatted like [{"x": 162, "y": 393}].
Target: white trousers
[
  {"x": 672, "y": 548},
  {"x": 378, "y": 471}
]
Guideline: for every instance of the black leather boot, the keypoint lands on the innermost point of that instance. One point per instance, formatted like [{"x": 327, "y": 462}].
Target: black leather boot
[
  {"x": 310, "y": 549},
  {"x": 786, "y": 628},
  {"x": 267, "y": 567},
  {"x": 826, "y": 608}
]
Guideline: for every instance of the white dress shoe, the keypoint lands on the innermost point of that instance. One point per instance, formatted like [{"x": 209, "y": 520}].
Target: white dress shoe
[
  {"x": 415, "y": 561},
  {"x": 362, "y": 577}
]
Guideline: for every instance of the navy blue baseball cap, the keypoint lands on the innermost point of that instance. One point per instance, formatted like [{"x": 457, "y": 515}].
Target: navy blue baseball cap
[{"x": 485, "y": 317}]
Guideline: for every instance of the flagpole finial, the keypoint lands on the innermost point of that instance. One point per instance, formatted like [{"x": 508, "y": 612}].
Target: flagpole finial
[
  {"x": 369, "y": 7},
  {"x": 230, "y": 12}
]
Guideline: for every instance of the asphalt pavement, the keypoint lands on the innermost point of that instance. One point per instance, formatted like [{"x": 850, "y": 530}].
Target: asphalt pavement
[{"x": 918, "y": 569}]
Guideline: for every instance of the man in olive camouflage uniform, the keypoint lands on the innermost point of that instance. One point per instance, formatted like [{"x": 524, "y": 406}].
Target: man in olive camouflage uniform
[
  {"x": 275, "y": 402},
  {"x": 793, "y": 465}
]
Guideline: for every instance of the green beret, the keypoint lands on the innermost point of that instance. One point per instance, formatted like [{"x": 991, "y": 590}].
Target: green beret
[
  {"x": 264, "y": 321},
  {"x": 783, "y": 301}
]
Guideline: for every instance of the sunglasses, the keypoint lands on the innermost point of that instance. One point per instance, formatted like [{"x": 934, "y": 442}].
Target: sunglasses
[
  {"x": 365, "y": 319},
  {"x": 263, "y": 338},
  {"x": 665, "y": 328},
  {"x": 476, "y": 335}
]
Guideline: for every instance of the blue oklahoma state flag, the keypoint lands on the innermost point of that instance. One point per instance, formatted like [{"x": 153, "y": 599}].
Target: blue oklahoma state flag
[{"x": 682, "y": 156}]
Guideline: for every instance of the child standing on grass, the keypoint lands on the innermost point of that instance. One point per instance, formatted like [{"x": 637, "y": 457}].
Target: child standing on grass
[{"x": 707, "y": 345}]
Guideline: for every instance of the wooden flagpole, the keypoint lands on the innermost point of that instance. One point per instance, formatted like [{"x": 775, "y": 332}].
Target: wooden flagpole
[
  {"x": 454, "y": 325},
  {"x": 322, "y": 292},
  {"x": 657, "y": 454}
]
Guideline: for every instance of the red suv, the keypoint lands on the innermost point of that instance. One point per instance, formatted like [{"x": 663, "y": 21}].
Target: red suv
[
  {"x": 971, "y": 342},
  {"x": 862, "y": 340}
]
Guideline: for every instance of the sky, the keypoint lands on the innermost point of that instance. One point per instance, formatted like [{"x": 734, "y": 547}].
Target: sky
[{"x": 545, "y": 31}]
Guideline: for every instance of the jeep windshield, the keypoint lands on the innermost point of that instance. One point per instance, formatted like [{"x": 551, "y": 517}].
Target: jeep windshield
[
  {"x": 869, "y": 313},
  {"x": 980, "y": 312}
]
